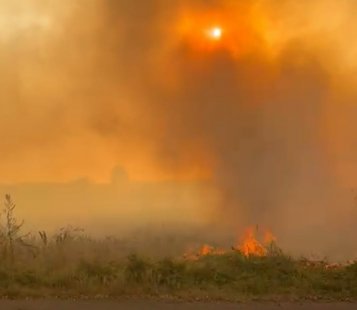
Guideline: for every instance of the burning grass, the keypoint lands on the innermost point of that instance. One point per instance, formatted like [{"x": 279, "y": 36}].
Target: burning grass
[{"x": 69, "y": 264}]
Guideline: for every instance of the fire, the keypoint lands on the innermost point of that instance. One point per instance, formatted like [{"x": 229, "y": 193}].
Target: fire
[
  {"x": 204, "y": 251},
  {"x": 249, "y": 245},
  {"x": 209, "y": 250}
]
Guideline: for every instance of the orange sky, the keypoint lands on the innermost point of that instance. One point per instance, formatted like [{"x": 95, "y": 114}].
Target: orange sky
[
  {"x": 263, "y": 117},
  {"x": 67, "y": 114}
]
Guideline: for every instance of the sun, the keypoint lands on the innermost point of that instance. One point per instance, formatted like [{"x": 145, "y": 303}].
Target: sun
[{"x": 216, "y": 33}]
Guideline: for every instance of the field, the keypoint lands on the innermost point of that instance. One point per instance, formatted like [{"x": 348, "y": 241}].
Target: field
[{"x": 69, "y": 264}]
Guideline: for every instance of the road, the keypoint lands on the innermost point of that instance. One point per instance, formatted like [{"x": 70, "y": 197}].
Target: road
[{"x": 161, "y": 305}]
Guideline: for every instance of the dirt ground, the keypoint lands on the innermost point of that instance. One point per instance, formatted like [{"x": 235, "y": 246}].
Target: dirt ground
[{"x": 144, "y": 304}]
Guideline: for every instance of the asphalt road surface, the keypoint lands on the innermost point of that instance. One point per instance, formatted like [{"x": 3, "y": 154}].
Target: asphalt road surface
[{"x": 161, "y": 305}]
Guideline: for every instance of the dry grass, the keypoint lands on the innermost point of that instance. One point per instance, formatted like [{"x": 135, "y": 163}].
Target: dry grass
[{"x": 69, "y": 264}]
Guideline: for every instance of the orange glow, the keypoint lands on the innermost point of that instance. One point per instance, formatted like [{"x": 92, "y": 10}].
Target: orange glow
[
  {"x": 249, "y": 246},
  {"x": 235, "y": 31},
  {"x": 269, "y": 238},
  {"x": 209, "y": 250},
  {"x": 215, "y": 33},
  {"x": 206, "y": 250}
]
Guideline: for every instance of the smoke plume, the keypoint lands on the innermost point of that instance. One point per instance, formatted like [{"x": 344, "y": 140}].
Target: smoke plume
[{"x": 265, "y": 118}]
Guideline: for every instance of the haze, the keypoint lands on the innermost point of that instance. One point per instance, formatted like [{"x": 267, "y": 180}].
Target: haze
[{"x": 122, "y": 113}]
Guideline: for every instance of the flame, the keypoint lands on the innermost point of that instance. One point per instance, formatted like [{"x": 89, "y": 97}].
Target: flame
[
  {"x": 205, "y": 250},
  {"x": 210, "y": 250},
  {"x": 248, "y": 246},
  {"x": 251, "y": 246}
]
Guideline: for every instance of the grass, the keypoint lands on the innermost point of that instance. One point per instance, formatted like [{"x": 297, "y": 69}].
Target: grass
[
  {"x": 69, "y": 264},
  {"x": 230, "y": 277}
]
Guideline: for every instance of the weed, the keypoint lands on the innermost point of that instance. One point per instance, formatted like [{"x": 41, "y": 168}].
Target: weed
[
  {"x": 68, "y": 263},
  {"x": 136, "y": 269}
]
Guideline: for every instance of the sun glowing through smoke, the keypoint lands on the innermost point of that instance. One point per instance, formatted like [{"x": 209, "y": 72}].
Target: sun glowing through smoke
[{"x": 216, "y": 33}]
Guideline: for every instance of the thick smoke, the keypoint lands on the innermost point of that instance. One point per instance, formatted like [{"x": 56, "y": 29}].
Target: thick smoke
[{"x": 267, "y": 119}]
